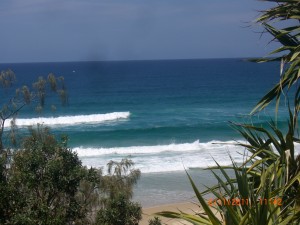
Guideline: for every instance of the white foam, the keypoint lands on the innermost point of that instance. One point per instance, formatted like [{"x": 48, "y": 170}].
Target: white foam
[
  {"x": 165, "y": 158},
  {"x": 168, "y": 158},
  {"x": 71, "y": 120},
  {"x": 195, "y": 146}
]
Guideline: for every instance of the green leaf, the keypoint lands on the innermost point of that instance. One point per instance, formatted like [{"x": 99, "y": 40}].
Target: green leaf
[{"x": 203, "y": 203}]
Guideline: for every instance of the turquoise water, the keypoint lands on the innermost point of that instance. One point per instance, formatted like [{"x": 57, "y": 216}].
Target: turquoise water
[{"x": 165, "y": 115}]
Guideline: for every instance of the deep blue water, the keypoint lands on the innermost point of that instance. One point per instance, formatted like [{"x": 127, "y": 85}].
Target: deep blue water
[{"x": 177, "y": 107}]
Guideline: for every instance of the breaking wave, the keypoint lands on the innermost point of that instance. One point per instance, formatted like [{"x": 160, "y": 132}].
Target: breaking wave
[
  {"x": 185, "y": 147},
  {"x": 164, "y": 158},
  {"x": 168, "y": 158},
  {"x": 72, "y": 120}
]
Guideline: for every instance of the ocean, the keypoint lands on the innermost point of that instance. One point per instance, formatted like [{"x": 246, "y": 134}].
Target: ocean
[{"x": 165, "y": 115}]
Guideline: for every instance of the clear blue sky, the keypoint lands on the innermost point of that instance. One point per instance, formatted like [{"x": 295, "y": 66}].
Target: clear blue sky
[{"x": 81, "y": 30}]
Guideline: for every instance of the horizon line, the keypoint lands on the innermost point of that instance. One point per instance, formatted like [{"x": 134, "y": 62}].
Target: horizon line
[{"x": 129, "y": 60}]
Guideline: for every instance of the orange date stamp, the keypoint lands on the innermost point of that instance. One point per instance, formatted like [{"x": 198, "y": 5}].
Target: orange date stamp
[{"x": 243, "y": 201}]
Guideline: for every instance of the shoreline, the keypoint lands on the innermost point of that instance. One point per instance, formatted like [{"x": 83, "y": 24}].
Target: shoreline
[{"x": 169, "y": 188}]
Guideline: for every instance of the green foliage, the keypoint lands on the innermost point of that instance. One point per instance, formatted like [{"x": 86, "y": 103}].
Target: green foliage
[
  {"x": 155, "y": 221},
  {"x": 7, "y": 78},
  {"x": 4, "y": 192},
  {"x": 43, "y": 181},
  {"x": 288, "y": 36},
  {"x": 120, "y": 179},
  {"x": 16, "y": 100},
  {"x": 119, "y": 211},
  {"x": 239, "y": 200},
  {"x": 117, "y": 187},
  {"x": 28, "y": 167},
  {"x": 89, "y": 195}
]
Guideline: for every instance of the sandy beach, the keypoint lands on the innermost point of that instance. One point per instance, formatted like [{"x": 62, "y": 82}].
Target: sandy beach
[{"x": 187, "y": 207}]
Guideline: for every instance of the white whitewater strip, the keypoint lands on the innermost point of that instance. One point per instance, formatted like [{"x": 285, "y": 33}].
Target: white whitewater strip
[
  {"x": 167, "y": 158},
  {"x": 72, "y": 120},
  {"x": 195, "y": 146},
  {"x": 164, "y": 158}
]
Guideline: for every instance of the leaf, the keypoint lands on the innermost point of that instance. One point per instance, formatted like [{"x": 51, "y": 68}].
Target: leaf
[
  {"x": 203, "y": 203},
  {"x": 196, "y": 220}
]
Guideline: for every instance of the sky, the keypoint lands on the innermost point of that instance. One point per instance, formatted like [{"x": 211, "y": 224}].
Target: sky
[{"x": 97, "y": 30}]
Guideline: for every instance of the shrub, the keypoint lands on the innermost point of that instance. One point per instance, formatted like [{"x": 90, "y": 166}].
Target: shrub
[
  {"x": 43, "y": 182},
  {"x": 119, "y": 211},
  {"x": 155, "y": 221}
]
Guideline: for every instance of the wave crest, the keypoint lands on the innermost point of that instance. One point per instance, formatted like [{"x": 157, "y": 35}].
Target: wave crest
[
  {"x": 71, "y": 120},
  {"x": 83, "y": 152}
]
